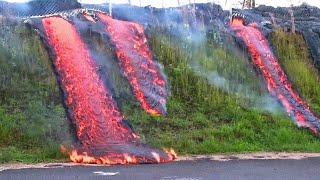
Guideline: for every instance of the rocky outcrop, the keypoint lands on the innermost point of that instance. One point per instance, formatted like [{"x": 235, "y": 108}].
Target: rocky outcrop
[
  {"x": 306, "y": 22},
  {"x": 306, "y": 17},
  {"x": 37, "y": 7}
]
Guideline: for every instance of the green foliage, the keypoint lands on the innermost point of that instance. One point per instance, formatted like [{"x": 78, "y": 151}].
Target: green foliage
[
  {"x": 46, "y": 153},
  {"x": 205, "y": 119},
  {"x": 32, "y": 118},
  {"x": 296, "y": 61}
]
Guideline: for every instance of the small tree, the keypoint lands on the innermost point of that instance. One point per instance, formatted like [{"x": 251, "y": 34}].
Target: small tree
[{"x": 110, "y": 8}]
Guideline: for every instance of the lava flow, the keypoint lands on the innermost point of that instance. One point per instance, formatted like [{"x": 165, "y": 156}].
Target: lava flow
[
  {"x": 277, "y": 82},
  {"x": 136, "y": 61},
  {"x": 104, "y": 138}
]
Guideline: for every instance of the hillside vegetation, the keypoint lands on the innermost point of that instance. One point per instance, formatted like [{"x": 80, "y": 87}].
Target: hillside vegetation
[
  {"x": 204, "y": 116},
  {"x": 204, "y": 119},
  {"x": 32, "y": 118},
  {"x": 296, "y": 61}
]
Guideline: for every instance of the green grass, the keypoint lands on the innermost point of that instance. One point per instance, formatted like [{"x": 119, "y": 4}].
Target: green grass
[
  {"x": 296, "y": 61},
  {"x": 202, "y": 133},
  {"x": 36, "y": 155},
  {"x": 32, "y": 119},
  {"x": 204, "y": 118}
]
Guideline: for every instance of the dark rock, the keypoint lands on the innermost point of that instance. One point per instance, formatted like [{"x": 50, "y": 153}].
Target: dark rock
[
  {"x": 306, "y": 19},
  {"x": 37, "y": 7}
]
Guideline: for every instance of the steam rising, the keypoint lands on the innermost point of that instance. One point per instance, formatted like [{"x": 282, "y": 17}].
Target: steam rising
[
  {"x": 104, "y": 137},
  {"x": 182, "y": 24}
]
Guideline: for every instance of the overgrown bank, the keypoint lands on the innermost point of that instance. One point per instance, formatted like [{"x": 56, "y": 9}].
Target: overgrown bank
[
  {"x": 204, "y": 117},
  {"x": 295, "y": 59},
  {"x": 32, "y": 118}
]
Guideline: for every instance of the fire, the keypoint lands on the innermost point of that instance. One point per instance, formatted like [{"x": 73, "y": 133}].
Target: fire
[
  {"x": 237, "y": 22},
  {"x": 114, "y": 159},
  {"x": 277, "y": 82},
  {"x": 171, "y": 153},
  {"x": 136, "y": 61},
  {"x": 104, "y": 137},
  {"x": 88, "y": 17}
]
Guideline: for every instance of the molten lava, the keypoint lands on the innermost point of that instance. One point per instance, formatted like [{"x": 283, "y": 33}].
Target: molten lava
[
  {"x": 277, "y": 82},
  {"x": 103, "y": 135},
  {"x": 136, "y": 61}
]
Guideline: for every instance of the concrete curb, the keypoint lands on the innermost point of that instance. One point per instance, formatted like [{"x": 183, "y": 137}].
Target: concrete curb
[{"x": 222, "y": 157}]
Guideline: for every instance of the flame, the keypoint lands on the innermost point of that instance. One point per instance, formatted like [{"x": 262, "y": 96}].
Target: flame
[
  {"x": 277, "y": 81},
  {"x": 136, "y": 61},
  {"x": 156, "y": 156},
  {"x": 237, "y": 22},
  {"x": 103, "y": 136},
  {"x": 171, "y": 153},
  {"x": 88, "y": 17},
  {"x": 119, "y": 158}
]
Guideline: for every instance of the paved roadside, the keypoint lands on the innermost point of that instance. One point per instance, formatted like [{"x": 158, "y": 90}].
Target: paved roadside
[{"x": 196, "y": 169}]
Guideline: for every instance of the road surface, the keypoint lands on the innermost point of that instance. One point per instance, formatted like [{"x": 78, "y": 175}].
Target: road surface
[{"x": 183, "y": 170}]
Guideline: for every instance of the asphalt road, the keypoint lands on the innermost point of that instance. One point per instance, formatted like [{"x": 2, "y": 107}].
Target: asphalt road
[{"x": 183, "y": 170}]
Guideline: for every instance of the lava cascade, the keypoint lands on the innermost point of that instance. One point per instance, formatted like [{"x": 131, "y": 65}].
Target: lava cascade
[
  {"x": 103, "y": 135},
  {"x": 136, "y": 61},
  {"x": 277, "y": 81}
]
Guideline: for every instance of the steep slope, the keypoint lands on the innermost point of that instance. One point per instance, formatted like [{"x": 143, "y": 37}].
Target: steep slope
[
  {"x": 276, "y": 79},
  {"x": 219, "y": 100},
  {"x": 103, "y": 135}
]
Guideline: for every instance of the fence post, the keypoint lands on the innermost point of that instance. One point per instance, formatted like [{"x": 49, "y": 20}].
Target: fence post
[
  {"x": 293, "y": 26},
  {"x": 110, "y": 8}
]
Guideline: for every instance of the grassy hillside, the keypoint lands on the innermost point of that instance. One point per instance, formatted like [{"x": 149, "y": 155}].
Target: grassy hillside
[
  {"x": 32, "y": 118},
  {"x": 296, "y": 61},
  {"x": 205, "y": 119},
  {"x": 215, "y": 104}
]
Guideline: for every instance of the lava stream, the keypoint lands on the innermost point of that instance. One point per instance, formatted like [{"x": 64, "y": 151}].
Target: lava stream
[
  {"x": 136, "y": 61},
  {"x": 103, "y": 135},
  {"x": 277, "y": 82}
]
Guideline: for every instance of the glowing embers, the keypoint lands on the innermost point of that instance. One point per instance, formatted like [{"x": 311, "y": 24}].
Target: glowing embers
[
  {"x": 123, "y": 154},
  {"x": 136, "y": 61},
  {"x": 277, "y": 82},
  {"x": 103, "y": 135}
]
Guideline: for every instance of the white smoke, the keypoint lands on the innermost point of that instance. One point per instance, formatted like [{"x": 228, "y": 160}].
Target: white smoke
[{"x": 264, "y": 102}]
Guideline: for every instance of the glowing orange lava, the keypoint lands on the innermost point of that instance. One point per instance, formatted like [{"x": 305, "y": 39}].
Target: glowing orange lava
[
  {"x": 104, "y": 137},
  {"x": 277, "y": 82},
  {"x": 136, "y": 60}
]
